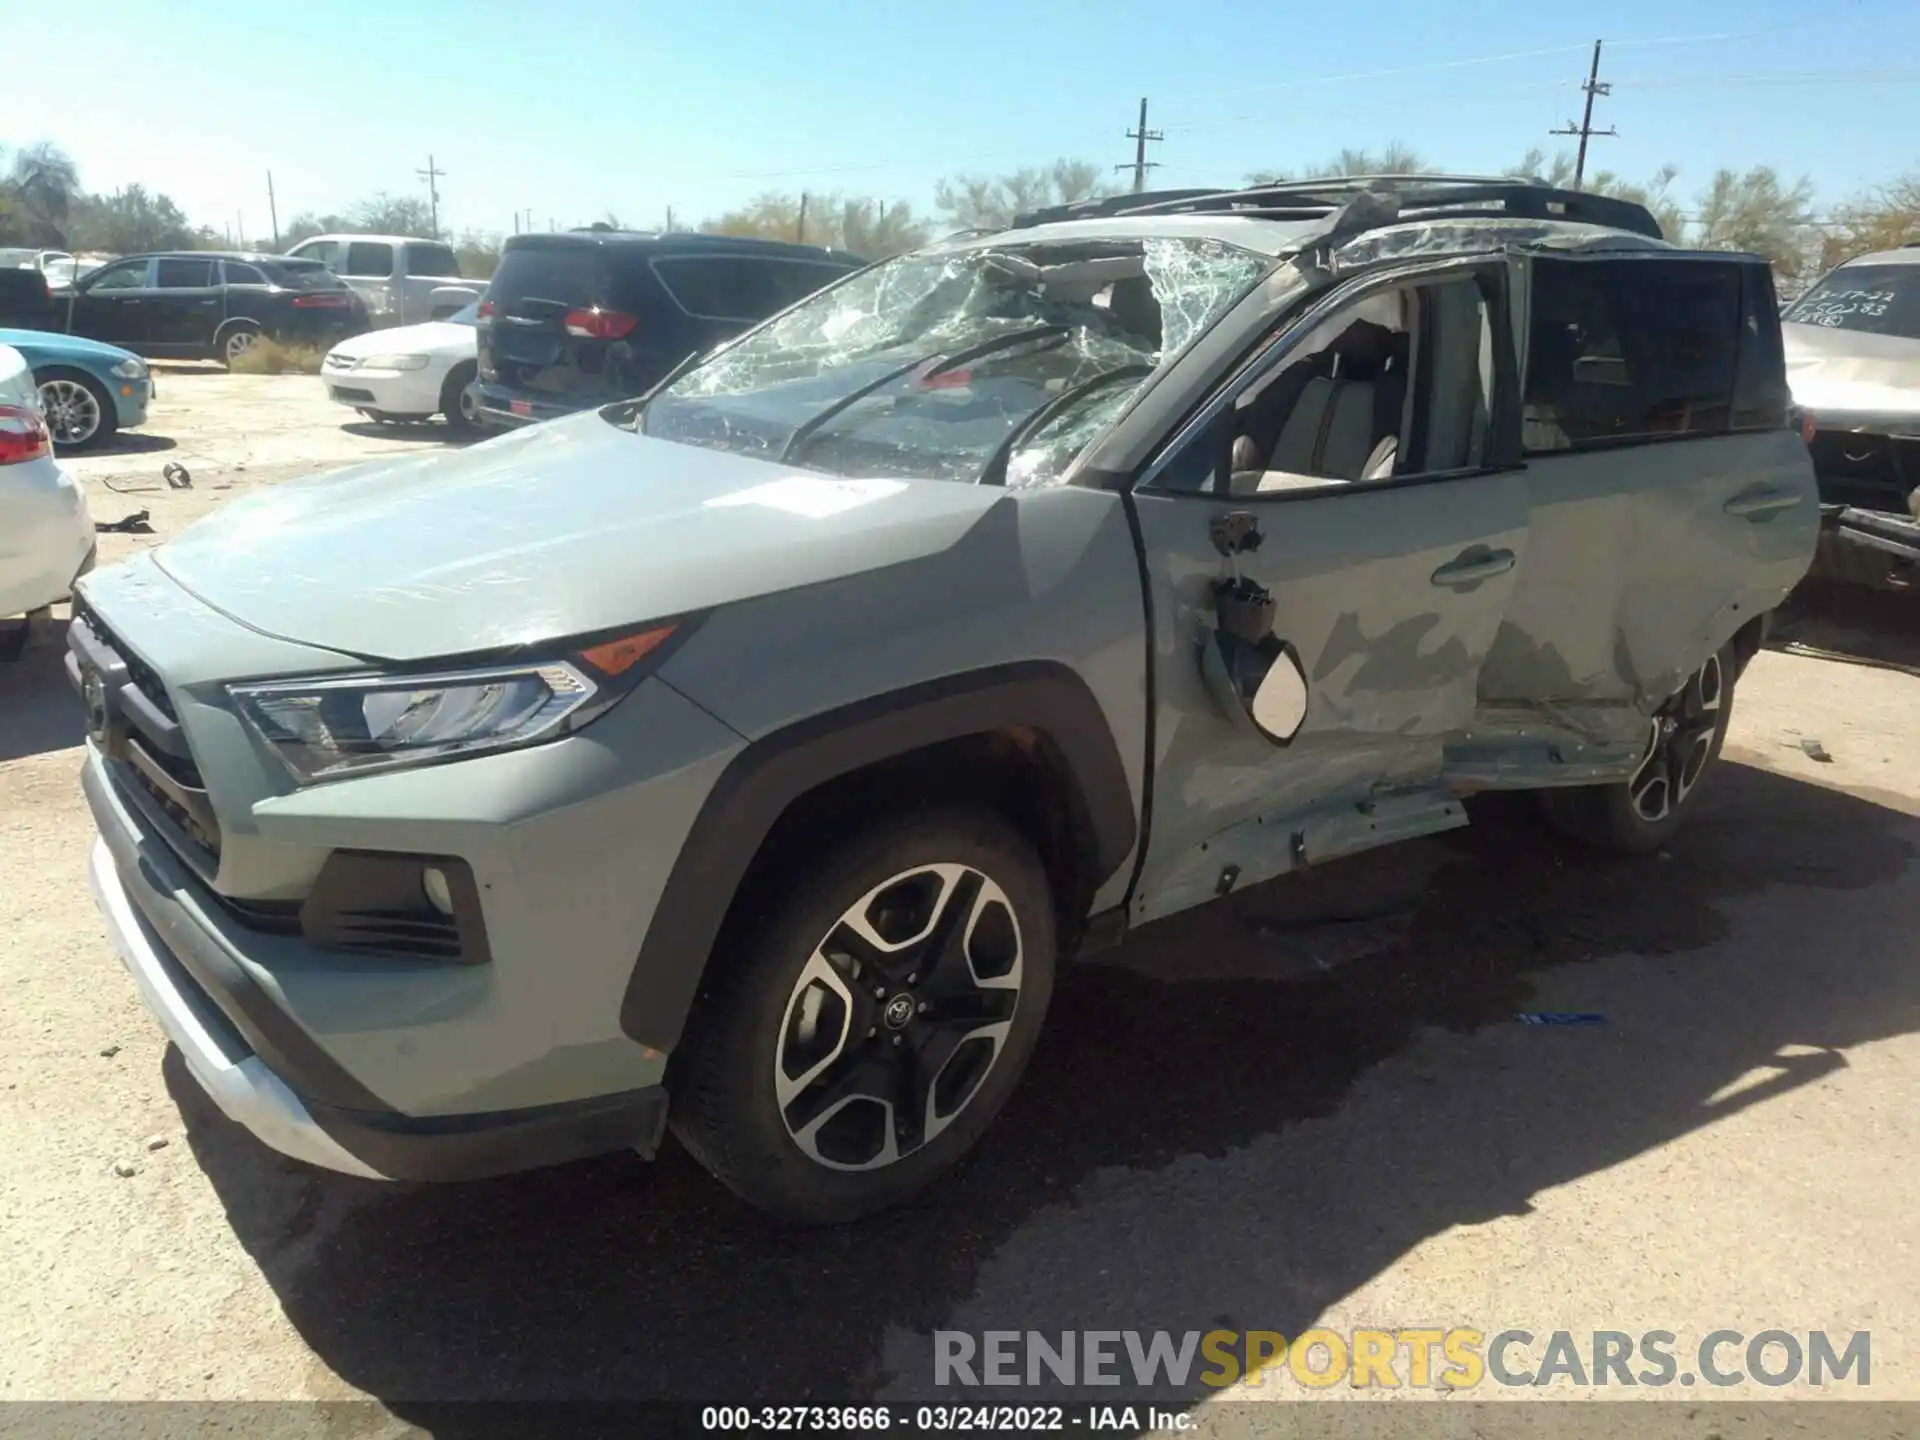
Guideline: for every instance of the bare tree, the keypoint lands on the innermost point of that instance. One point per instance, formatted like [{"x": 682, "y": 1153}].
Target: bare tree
[
  {"x": 1395, "y": 158},
  {"x": 1757, "y": 212},
  {"x": 37, "y": 195},
  {"x": 871, "y": 228},
  {"x": 1883, "y": 218},
  {"x": 989, "y": 202}
]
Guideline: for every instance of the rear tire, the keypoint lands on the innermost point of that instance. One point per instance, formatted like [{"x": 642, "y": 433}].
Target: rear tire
[
  {"x": 825, "y": 1076},
  {"x": 235, "y": 341},
  {"x": 1641, "y": 814}
]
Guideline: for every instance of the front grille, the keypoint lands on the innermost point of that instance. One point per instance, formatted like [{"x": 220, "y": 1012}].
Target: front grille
[
  {"x": 340, "y": 362},
  {"x": 149, "y": 756},
  {"x": 397, "y": 932},
  {"x": 1872, "y": 472}
]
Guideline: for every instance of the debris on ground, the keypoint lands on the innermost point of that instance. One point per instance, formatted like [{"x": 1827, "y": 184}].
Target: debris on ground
[
  {"x": 125, "y": 1170},
  {"x": 109, "y": 1052},
  {"x": 177, "y": 475},
  {"x": 1816, "y": 751},
  {"x": 156, "y": 1142},
  {"x": 135, "y": 524}
]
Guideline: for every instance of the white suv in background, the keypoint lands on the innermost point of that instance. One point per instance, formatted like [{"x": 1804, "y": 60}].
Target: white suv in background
[
  {"x": 403, "y": 280},
  {"x": 46, "y": 532}
]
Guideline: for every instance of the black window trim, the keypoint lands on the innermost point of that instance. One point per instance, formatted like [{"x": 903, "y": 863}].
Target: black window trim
[
  {"x": 1504, "y": 421},
  {"x": 653, "y": 264},
  {"x": 1739, "y": 259}
]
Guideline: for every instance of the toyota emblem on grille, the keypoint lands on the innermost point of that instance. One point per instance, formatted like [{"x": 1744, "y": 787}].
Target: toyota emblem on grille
[{"x": 93, "y": 694}]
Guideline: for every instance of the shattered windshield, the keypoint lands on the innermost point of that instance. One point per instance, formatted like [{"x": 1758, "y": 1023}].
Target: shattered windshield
[{"x": 996, "y": 364}]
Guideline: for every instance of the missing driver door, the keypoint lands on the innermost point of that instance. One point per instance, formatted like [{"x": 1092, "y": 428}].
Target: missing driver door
[{"x": 1368, "y": 455}]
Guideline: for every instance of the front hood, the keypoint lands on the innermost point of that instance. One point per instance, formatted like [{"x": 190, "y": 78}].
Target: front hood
[
  {"x": 1834, "y": 371},
  {"x": 50, "y": 346},
  {"x": 560, "y": 529},
  {"x": 428, "y": 339}
]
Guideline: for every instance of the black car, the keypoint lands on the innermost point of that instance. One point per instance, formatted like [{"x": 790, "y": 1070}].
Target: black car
[
  {"x": 210, "y": 305},
  {"x": 580, "y": 318}
]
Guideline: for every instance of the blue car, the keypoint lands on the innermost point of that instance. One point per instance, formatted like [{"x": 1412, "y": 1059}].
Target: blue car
[{"x": 88, "y": 390}]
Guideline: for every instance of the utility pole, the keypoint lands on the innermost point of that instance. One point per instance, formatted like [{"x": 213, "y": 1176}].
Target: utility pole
[
  {"x": 1585, "y": 128},
  {"x": 273, "y": 212},
  {"x": 240, "y": 228},
  {"x": 669, "y": 220},
  {"x": 432, "y": 176},
  {"x": 802, "y": 235},
  {"x": 1140, "y": 137}
]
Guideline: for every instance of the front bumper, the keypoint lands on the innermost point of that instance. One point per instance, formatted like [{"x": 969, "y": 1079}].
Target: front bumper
[
  {"x": 393, "y": 392},
  {"x": 264, "y": 1071},
  {"x": 130, "y": 400}
]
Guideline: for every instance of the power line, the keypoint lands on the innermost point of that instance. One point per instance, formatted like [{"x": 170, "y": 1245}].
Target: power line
[
  {"x": 1140, "y": 137},
  {"x": 1594, "y": 87}
]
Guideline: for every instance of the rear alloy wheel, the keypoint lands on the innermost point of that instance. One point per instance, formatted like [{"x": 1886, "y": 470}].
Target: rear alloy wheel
[
  {"x": 879, "y": 1024},
  {"x": 1683, "y": 740},
  {"x": 78, "y": 409},
  {"x": 237, "y": 342}
]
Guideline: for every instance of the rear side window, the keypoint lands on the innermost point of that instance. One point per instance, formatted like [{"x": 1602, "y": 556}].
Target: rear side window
[
  {"x": 238, "y": 274},
  {"x": 366, "y": 258},
  {"x": 432, "y": 260},
  {"x": 1630, "y": 350},
  {"x": 739, "y": 287},
  {"x": 566, "y": 275},
  {"x": 1876, "y": 299},
  {"x": 327, "y": 252},
  {"x": 183, "y": 274},
  {"x": 1761, "y": 398},
  {"x": 303, "y": 275}
]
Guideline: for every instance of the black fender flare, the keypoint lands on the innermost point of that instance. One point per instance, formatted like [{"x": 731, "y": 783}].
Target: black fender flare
[{"x": 771, "y": 773}]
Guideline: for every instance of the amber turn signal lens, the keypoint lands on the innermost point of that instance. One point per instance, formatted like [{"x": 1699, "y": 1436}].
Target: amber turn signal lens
[{"x": 616, "y": 657}]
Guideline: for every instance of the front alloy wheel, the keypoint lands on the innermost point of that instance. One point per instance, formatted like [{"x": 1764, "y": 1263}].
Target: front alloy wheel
[
  {"x": 74, "y": 413},
  {"x": 859, "y": 1034},
  {"x": 900, "y": 1012}
]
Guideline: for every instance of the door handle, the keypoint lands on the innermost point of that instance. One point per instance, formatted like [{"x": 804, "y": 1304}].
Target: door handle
[
  {"x": 1471, "y": 568},
  {"x": 1760, "y": 503}
]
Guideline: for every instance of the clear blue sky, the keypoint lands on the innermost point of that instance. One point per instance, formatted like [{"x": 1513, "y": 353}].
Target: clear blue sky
[{"x": 578, "y": 107}]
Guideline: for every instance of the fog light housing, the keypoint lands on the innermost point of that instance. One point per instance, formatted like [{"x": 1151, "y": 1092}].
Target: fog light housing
[{"x": 433, "y": 884}]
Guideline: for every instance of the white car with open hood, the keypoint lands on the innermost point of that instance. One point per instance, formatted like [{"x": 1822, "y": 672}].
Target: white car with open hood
[
  {"x": 46, "y": 532},
  {"x": 413, "y": 372}
]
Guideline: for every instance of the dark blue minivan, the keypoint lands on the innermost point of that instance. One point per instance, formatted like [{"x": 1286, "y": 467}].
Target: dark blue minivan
[{"x": 583, "y": 317}]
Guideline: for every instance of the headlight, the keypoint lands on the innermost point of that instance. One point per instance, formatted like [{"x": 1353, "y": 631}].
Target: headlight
[
  {"x": 330, "y": 727},
  {"x": 130, "y": 369},
  {"x": 394, "y": 362}
]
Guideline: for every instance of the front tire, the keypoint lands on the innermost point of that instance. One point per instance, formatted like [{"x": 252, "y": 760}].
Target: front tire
[
  {"x": 1684, "y": 739},
  {"x": 457, "y": 402},
  {"x": 859, "y": 1039},
  {"x": 80, "y": 413}
]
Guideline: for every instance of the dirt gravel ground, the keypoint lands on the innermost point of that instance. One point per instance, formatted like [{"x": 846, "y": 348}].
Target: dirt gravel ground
[{"x": 1310, "y": 1105}]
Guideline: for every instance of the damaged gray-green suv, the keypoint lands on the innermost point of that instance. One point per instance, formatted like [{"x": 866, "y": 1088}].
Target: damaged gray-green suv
[{"x": 744, "y": 758}]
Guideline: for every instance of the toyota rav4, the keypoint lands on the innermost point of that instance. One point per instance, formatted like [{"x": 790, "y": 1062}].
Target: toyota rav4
[{"x": 743, "y": 759}]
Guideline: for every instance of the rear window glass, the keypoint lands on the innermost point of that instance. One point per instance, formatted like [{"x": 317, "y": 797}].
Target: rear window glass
[
  {"x": 368, "y": 259},
  {"x": 1630, "y": 350},
  {"x": 739, "y": 287},
  {"x": 238, "y": 274},
  {"x": 303, "y": 275},
  {"x": 183, "y": 274},
  {"x": 1877, "y": 299},
  {"x": 567, "y": 275},
  {"x": 434, "y": 260}
]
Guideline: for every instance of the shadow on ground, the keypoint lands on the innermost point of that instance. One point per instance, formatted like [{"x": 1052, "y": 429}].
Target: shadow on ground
[
  {"x": 124, "y": 442},
  {"x": 1877, "y": 626},
  {"x": 419, "y": 432},
  {"x": 617, "y": 1279},
  {"x": 38, "y": 709}
]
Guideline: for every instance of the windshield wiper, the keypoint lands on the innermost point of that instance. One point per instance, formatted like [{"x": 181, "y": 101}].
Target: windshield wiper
[
  {"x": 994, "y": 472},
  {"x": 928, "y": 366}
]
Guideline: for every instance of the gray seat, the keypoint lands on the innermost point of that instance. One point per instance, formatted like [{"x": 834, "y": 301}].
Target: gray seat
[{"x": 1328, "y": 436}]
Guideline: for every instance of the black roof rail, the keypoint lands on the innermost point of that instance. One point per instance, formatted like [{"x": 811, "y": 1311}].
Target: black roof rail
[{"x": 1391, "y": 198}]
